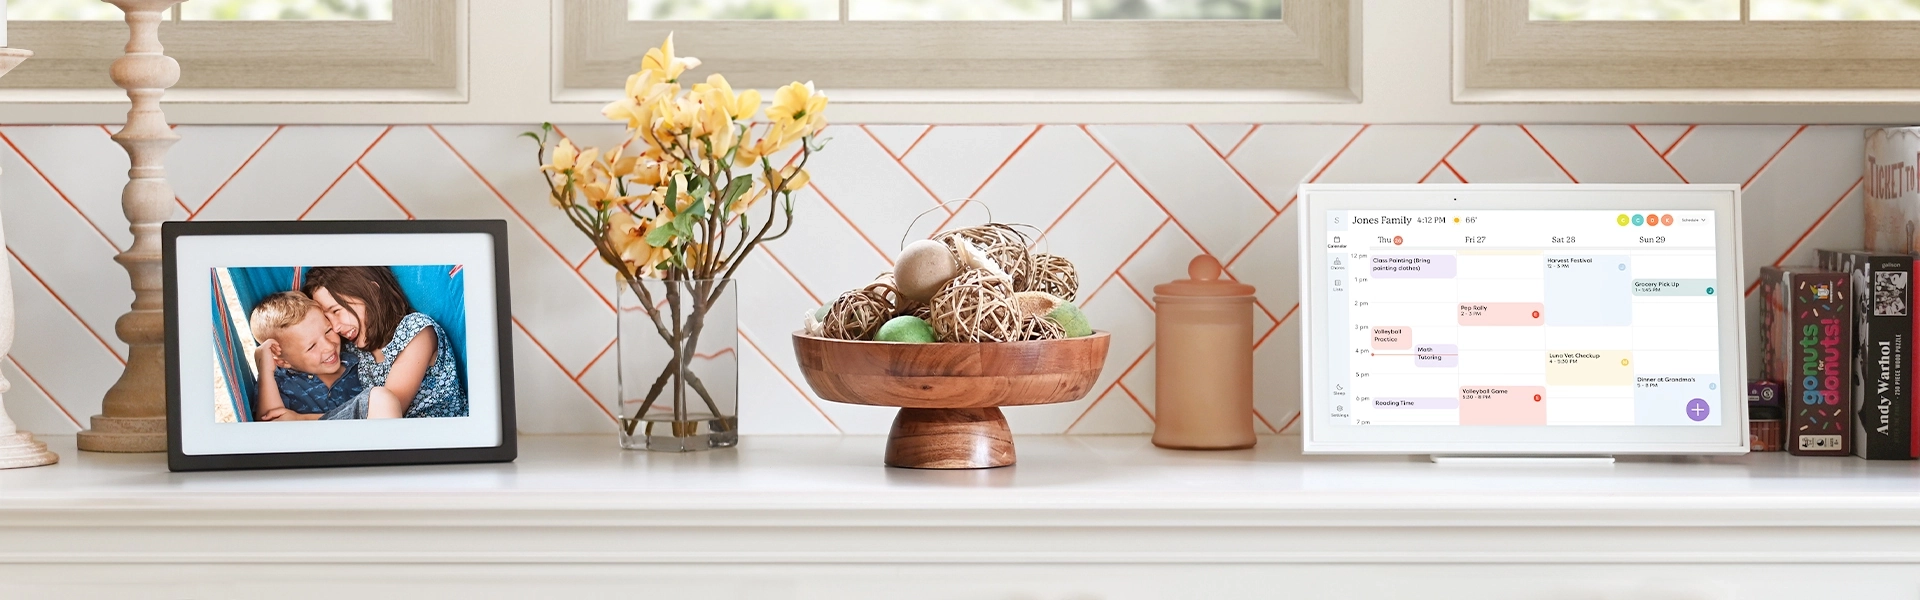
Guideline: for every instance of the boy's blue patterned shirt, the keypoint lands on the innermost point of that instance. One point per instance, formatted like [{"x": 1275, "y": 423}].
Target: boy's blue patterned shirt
[{"x": 305, "y": 393}]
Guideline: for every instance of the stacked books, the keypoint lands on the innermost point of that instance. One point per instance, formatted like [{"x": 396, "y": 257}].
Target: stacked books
[{"x": 1837, "y": 339}]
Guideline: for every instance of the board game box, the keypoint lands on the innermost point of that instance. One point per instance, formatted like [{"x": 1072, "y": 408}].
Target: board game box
[
  {"x": 1882, "y": 350},
  {"x": 1806, "y": 322}
]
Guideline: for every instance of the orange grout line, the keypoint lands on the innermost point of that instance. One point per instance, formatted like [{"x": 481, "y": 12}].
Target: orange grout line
[
  {"x": 1549, "y": 153},
  {"x": 1657, "y": 152},
  {"x": 796, "y": 278},
  {"x": 45, "y": 392},
  {"x": 1004, "y": 162},
  {"x": 1337, "y": 154},
  {"x": 1204, "y": 140},
  {"x": 1676, "y": 141},
  {"x": 1136, "y": 401},
  {"x": 790, "y": 382},
  {"x": 63, "y": 304},
  {"x": 1816, "y": 222},
  {"x": 235, "y": 173},
  {"x": 856, "y": 228},
  {"x": 596, "y": 358},
  {"x": 343, "y": 174},
  {"x": 1136, "y": 291},
  {"x": 1776, "y": 154},
  {"x": 1110, "y": 387},
  {"x": 910, "y": 147},
  {"x": 563, "y": 370},
  {"x": 901, "y": 161},
  {"x": 1096, "y": 291},
  {"x": 1243, "y": 140},
  {"x": 1076, "y": 202},
  {"x": 1255, "y": 238},
  {"x": 503, "y": 202},
  {"x": 951, "y": 214},
  {"x": 1263, "y": 420},
  {"x": 1143, "y": 189},
  {"x": 1277, "y": 324},
  {"x": 1456, "y": 172},
  {"x": 1289, "y": 425},
  {"x": 58, "y": 192},
  {"x": 1429, "y": 175},
  {"x": 1142, "y": 246},
  {"x": 384, "y": 190},
  {"x": 585, "y": 259},
  {"x": 1451, "y": 149},
  {"x": 1236, "y": 172}
]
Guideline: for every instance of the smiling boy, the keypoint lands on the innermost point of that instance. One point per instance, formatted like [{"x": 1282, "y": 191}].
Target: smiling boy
[{"x": 310, "y": 375}]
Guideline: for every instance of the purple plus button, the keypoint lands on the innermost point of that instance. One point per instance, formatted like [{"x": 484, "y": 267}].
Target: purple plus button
[{"x": 1698, "y": 410}]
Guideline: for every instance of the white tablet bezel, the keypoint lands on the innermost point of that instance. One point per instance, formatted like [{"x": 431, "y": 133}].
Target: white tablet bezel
[{"x": 1318, "y": 435}]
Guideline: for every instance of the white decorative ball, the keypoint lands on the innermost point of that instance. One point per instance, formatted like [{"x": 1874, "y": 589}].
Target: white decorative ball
[{"x": 921, "y": 269}]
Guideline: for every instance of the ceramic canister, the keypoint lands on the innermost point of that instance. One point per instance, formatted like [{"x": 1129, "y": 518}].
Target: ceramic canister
[{"x": 1203, "y": 391}]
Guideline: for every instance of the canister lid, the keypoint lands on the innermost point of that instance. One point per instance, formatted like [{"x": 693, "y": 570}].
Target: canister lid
[{"x": 1205, "y": 273}]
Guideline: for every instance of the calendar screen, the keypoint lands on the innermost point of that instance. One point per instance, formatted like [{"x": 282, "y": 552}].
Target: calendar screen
[{"x": 1523, "y": 318}]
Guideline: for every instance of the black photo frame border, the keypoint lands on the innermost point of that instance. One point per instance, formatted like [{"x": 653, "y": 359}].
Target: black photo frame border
[{"x": 178, "y": 460}]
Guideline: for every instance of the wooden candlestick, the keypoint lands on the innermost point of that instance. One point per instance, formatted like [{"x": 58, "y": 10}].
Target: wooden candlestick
[
  {"x": 133, "y": 416},
  {"x": 17, "y": 448}
]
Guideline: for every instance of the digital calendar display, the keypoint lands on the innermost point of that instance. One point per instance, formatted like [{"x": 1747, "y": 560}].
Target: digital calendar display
[{"x": 1523, "y": 318}]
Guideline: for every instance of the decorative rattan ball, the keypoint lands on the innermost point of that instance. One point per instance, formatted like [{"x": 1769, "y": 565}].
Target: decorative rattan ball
[
  {"x": 1002, "y": 243},
  {"x": 1035, "y": 328},
  {"x": 857, "y": 314},
  {"x": 1054, "y": 275},
  {"x": 977, "y": 306}
]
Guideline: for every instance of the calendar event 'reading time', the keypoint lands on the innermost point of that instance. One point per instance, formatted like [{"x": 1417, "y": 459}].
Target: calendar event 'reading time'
[{"x": 1523, "y": 317}]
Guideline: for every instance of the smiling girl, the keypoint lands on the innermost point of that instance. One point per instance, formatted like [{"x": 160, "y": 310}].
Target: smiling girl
[{"x": 404, "y": 357}]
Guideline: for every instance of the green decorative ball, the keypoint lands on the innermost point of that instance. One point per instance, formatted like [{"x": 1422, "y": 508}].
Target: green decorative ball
[
  {"x": 907, "y": 329},
  {"x": 1070, "y": 318},
  {"x": 820, "y": 314}
]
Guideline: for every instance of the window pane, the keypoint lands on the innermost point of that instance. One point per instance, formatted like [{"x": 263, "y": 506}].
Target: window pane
[
  {"x": 288, "y": 10},
  {"x": 1824, "y": 10},
  {"x": 1634, "y": 10},
  {"x": 1176, "y": 9},
  {"x": 954, "y": 10},
  {"x": 684, "y": 10},
  {"x": 61, "y": 10}
]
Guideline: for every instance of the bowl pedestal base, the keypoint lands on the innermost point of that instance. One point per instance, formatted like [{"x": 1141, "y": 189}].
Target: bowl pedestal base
[{"x": 950, "y": 438}]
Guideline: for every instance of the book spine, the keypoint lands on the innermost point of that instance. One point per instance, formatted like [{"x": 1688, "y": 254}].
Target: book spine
[
  {"x": 1882, "y": 349},
  {"x": 1820, "y": 420}
]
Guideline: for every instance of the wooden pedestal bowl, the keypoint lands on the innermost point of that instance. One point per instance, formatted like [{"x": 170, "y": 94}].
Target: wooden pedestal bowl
[{"x": 950, "y": 395}]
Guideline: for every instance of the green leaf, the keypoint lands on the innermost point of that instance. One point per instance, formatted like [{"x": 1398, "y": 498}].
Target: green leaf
[
  {"x": 660, "y": 236},
  {"x": 683, "y": 223},
  {"x": 735, "y": 189}
]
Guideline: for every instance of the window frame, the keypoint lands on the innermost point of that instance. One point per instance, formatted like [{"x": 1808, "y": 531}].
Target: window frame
[
  {"x": 1501, "y": 55},
  {"x": 1312, "y": 56},
  {"x": 418, "y": 56}
]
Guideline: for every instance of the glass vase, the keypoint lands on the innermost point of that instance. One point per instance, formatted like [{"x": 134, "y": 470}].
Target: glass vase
[{"x": 679, "y": 364}]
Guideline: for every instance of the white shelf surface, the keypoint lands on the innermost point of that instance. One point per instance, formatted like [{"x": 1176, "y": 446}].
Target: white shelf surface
[{"x": 1109, "y": 516}]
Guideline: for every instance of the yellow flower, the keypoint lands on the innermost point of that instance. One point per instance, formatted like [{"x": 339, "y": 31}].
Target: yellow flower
[
  {"x": 661, "y": 60},
  {"x": 627, "y": 236},
  {"x": 747, "y": 201},
  {"x": 564, "y": 157},
  {"x": 623, "y": 229},
  {"x": 798, "y": 103},
  {"x": 716, "y": 91},
  {"x": 793, "y": 178}
]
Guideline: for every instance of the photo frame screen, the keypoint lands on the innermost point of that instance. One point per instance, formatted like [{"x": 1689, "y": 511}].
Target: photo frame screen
[{"x": 313, "y": 299}]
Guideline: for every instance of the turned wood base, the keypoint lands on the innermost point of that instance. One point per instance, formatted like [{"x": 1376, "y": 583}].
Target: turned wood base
[
  {"x": 120, "y": 434},
  {"x": 950, "y": 438},
  {"x": 21, "y": 450}
]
